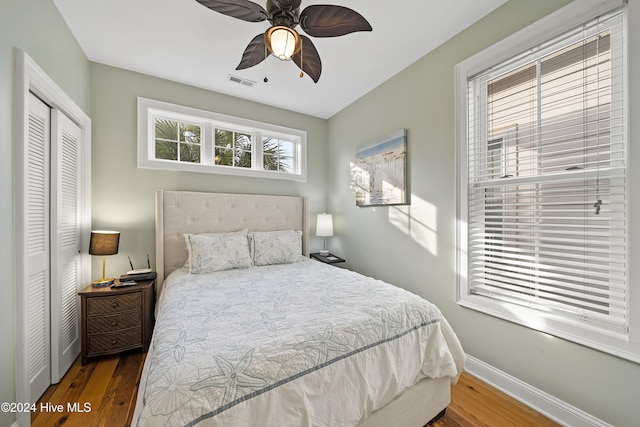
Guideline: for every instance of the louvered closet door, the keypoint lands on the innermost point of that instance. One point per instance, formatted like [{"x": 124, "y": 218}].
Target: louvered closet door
[
  {"x": 65, "y": 243},
  {"x": 36, "y": 224}
]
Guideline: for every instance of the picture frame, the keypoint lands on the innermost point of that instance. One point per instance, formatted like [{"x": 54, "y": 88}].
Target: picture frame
[{"x": 379, "y": 172}]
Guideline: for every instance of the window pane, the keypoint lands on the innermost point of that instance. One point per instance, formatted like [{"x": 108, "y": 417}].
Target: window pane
[
  {"x": 270, "y": 162},
  {"x": 190, "y": 133},
  {"x": 559, "y": 107},
  {"x": 243, "y": 150},
  {"x": 224, "y": 138},
  {"x": 233, "y": 149},
  {"x": 177, "y": 141},
  {"x": 166, "y": 129},
  {"x": 166, "y": 150},
  {"x": 190, "y": 153},
  {"x": 278, "y": 155},
  {"x": 224, "y": 156}
]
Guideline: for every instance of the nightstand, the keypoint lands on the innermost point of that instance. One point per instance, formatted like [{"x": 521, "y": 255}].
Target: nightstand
[
  {"x": 329, "y": 259},
  {"x": 116, "y": 319}
]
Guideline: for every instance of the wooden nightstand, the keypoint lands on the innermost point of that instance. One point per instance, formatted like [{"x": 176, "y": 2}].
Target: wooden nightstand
[
  {"x": 329, "y": 259},
  {"x": 116, "y": 319}
]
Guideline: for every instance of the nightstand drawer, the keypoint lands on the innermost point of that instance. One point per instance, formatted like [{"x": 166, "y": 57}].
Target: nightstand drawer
[
  {"x": 117, "y": 322},
  {"x": 116, "y": 341},
  {"x": 114, "y": 304}
]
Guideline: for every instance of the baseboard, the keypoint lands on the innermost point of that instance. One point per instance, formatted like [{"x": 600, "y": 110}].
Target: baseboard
[{"x": 544, "y": 403}]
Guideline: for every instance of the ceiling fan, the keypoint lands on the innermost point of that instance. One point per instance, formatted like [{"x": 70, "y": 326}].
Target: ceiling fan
[{"x": 281, "y": 39}]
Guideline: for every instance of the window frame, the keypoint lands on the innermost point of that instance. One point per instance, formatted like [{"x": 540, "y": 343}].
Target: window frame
[
  {"x": 149, "y": 110},
  {"x": 625, "y": 345}
]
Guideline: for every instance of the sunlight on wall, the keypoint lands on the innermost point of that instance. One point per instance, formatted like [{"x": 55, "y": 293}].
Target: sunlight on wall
[{"x": 418, "y": 221}]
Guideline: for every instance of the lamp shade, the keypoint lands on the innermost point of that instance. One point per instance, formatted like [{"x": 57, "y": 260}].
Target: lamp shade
[
  {"x": 104, "y": 242},
  {"x": 324, "y": 225},
  {"x": 282, "y": 42}
]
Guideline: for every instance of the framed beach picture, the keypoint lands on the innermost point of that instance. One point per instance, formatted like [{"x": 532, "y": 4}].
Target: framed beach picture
[{"x": 379, "y": 173}]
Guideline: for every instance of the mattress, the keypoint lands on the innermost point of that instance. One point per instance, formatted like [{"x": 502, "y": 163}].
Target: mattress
[{"x": 294, "y": 344}]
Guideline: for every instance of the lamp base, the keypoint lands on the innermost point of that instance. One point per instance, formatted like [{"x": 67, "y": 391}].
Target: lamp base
[
  {"x": 103, "y": 282},
  {"x": 324, "y": 252}
]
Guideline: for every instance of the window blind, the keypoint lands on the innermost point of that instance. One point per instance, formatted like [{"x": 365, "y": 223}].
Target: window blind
[{"x": 547, "y": 177}]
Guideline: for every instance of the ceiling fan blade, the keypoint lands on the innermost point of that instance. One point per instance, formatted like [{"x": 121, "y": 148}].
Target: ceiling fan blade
[
  {"x": 241, "y": 9},
  {"x": 308, "y": 59},
  {"x": 287, "y": 4},
  {"x": 332, "y": 21},
  {"x": 253, "y": 54}
]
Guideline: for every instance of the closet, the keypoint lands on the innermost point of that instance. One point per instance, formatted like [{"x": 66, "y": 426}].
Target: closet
[{"x": 52, "y": 268}]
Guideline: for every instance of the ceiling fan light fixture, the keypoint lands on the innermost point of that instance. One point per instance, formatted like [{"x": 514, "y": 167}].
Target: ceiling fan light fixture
[{"x": 283, "y": 42}]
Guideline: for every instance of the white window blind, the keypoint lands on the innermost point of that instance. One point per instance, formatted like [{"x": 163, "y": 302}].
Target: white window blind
[{"x": 547, "y": 178}]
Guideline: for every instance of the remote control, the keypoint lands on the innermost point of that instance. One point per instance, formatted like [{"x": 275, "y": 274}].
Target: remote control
[{"x": 123, "y": 284}]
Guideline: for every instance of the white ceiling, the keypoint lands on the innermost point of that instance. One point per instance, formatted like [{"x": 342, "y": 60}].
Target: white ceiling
[{"x": 184, "y": 41}]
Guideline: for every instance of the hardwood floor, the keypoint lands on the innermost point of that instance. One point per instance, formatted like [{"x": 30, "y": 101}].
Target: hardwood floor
[
  {"x": 109, "y": 386},
  {"x": 475, "y": 403}
]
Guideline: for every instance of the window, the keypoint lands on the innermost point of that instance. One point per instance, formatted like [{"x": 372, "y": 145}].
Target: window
[
  {"x": 233, "y": 149},
  {"x": 278, "y": 154},
  {"x": 173, "y": 137},
  {"x": 178, "y": 141},
  {"x": 542, "y": 155}
]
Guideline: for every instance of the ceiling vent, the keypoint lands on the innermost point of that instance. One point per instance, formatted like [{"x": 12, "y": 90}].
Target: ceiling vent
[{"x": 240, "y": 80}]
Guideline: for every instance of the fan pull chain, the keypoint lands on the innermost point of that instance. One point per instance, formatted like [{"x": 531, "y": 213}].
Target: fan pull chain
[
  {"x": 265, "y": 64},
  {"x": 301, "y": 58}
]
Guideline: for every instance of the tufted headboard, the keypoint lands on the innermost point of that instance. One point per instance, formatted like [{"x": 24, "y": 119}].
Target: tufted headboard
[{"x": 185, "y": 212}]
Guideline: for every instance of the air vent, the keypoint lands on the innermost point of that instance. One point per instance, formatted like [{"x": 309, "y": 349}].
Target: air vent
[{"x": 241, "y": 81}]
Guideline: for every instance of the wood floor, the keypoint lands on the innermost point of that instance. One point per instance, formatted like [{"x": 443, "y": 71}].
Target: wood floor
[
  {"x": 106, "y": 390},
  {"x": 109, "y": 385},
  {"x": 475, "y": 403}
]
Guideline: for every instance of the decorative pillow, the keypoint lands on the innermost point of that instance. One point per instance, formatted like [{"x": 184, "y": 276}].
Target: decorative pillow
[
  {"x": 211, "y": 252},
  {"x": 276, "y": 247}
]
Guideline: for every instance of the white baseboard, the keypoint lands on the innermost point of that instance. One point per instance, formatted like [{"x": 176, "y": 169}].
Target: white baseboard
[{"x": 552, "y": 407}]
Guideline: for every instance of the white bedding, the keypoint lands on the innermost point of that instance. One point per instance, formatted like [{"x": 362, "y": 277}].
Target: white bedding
[{"x": 294, "y": 344}]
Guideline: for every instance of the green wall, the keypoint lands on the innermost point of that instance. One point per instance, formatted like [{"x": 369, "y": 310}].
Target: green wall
[
  {"x": 123, "y": 195},
  {"x": 414, "y": 246},
  {"x": 36, "y": 27}
]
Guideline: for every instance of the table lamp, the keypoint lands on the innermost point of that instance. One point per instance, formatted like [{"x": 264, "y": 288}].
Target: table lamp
[
  {"x": 324, "y": 228},
  {"x": 104, "y": 243}
]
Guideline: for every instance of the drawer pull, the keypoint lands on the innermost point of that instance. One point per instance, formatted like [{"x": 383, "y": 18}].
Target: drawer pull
[
  {"x": 114, "y": 342},
  {"x": 114, "y": 323},
  {"x": 115, "y": 304}
]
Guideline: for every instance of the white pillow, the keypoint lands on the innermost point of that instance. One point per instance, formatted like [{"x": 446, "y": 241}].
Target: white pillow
[
  {"x": 276, "y": 247},
  {"x": 211, "y": 252}
]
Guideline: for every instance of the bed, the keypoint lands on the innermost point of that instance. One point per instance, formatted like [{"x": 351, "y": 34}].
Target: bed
[{"x": 265, "y": 336}]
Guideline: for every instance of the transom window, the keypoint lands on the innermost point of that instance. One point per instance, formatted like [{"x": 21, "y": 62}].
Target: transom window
[
  {"x": 278, "y": 154},
  {"x": 174, "y": 137},
  {"x": 177, "y": 141},
  {"x": 233, "y": 148}
]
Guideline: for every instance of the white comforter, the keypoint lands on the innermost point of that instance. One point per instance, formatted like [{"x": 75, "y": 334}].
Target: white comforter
[{"x": 297, "y": 344}]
